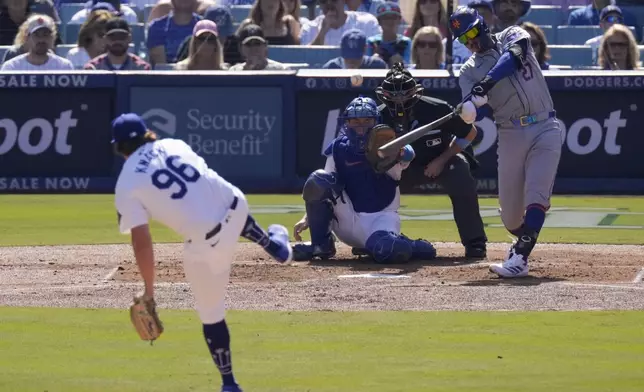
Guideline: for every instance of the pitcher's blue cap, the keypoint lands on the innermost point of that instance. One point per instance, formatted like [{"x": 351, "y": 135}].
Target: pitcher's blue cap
[{"x": 127, "y": 126}]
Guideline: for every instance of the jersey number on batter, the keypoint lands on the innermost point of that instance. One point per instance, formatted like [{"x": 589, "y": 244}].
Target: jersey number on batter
[
  {"x": 527, "y": 71},
  {"x": 176, "y": 173}
]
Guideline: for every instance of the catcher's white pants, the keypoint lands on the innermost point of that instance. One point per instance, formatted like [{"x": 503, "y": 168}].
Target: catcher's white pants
[
  {"x": 354, "y": 228},
  {"x": 207, "y": 263}
]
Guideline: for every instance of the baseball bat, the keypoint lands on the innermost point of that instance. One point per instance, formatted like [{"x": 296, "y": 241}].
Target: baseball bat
[{"x": 394, "y": 146}]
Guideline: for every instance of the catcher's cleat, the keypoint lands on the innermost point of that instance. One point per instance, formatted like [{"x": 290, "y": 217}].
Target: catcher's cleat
[
  {"x": 279, "y": 235},
  {"x": 306, "y": 252},
  {"x": 231, "y": 388},
  {"x": 515, "y": 266}
]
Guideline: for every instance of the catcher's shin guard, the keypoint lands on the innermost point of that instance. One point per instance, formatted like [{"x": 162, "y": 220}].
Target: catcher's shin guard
[
  {"x": 387, "y": 247},
  {"x": 320, "y": 193}
]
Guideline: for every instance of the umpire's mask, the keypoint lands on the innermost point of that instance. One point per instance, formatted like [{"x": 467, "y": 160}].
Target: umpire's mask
[{"x": 399, "y": 91}]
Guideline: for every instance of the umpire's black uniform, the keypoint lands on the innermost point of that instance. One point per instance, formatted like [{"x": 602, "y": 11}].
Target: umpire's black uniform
[{"x": 456, "y": 177}]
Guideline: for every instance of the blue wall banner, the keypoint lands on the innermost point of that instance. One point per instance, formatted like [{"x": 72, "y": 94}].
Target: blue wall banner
[{"x": 237, "y": 130}]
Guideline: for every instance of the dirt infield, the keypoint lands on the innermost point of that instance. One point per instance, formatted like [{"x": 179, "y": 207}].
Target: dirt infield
[{"x": 562, "y": 277}]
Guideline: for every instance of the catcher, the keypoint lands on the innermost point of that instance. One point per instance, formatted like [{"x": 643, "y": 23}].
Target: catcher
[{"x": 356, "y": 195}]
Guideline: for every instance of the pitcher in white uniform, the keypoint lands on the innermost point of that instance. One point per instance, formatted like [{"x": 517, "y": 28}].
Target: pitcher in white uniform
[{"x": 167, "y": 181}]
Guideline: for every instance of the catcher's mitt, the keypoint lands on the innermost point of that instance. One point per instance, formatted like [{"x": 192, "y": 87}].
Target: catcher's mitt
[
  {"x": 145, "y": 319},
  {"x": 380, "y": 135}
]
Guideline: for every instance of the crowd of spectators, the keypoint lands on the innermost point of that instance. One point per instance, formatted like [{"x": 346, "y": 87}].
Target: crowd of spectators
[{"x": 203, "y": 34}]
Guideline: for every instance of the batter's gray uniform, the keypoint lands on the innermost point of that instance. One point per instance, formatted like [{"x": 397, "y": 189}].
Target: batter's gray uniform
[{"x": 530, "y": 141}]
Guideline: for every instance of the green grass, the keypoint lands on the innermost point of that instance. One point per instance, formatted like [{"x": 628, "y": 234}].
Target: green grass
[
  {"x": 91, "y": 219},
  {"x": 96, "y": 350}
]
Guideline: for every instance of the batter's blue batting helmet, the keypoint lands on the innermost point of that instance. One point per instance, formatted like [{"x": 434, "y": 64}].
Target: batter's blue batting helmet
[
  {"x": 361, "y": 107},
  {"x": 466, "y": 23}
]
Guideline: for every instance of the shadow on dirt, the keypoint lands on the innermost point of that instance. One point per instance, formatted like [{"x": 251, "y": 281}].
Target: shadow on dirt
[
  {"x": 527, "y": 281},
  {"x": 367, "y": 264}
]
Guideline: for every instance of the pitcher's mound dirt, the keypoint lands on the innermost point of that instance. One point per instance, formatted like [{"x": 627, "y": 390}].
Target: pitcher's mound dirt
[{"x": 549, "y": 262}]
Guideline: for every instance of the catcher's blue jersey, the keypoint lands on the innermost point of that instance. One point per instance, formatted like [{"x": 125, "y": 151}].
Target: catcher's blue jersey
[{"x": 369, "y": 191}]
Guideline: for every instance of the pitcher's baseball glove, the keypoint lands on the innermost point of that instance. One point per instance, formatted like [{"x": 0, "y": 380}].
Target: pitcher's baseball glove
[
  {"x": 380, "y": 135},
  {"x": 145, "y": 319}
]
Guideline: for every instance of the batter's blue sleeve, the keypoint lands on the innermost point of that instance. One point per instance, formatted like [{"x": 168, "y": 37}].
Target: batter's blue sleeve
[{"x": 506, "y": 66}]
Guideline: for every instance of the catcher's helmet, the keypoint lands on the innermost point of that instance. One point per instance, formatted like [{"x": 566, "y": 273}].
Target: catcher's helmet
[
  {"x": 526, "y": 4},
  {"x": 359, "y": 108},
  {"x": 399, "y": 91}
]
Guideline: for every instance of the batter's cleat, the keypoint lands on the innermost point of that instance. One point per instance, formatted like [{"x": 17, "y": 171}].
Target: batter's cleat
[
  {"x": 360, "y": 252},
  {"x": 476, "y": 251},
  {"x": 229, "y": 388},
  {"x": 279, "y": 235},
  {"x": 515, "y": 266},
  {"x": 308, "y": 252}
]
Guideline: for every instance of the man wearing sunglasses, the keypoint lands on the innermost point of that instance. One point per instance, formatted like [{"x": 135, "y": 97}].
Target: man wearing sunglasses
[
  {"x": 444, "y": 156},
  {"x": 591, "y": 16},
  {"x": 509, "y": 12},
  {"x": 503, "y": 80},
  {"x": 328, "y": 28},
  {"x": 609, "y": 16},
  {"x": 117, "y": 42}
]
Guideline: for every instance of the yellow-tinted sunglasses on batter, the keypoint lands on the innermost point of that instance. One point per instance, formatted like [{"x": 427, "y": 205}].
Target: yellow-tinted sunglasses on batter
[{"x": 468, "y": 35}]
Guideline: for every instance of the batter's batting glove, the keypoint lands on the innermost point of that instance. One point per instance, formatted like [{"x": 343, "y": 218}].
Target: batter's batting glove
[{"x": 483, "y": 87}]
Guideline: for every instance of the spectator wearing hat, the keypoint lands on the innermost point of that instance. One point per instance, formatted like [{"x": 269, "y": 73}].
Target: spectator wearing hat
[
  {"x": 204, "y": 50},
  {"x": 328, "y": 28},
  {"x": 254, "y": 49},
  {"x": 390, "y": 46},
  {"x": 352, "y": 54},
  {"x": 117, "y": 58},
  {"x": 91, "y": 41},
  {"x": 509, "y": 13},
  {"x": 609, "y": 16},
  {"x": 590, "y": 15},
  {"x": 41, "y": 31},
  {"x": 113, "y": 6},
  {"x": 15, "y": 12},
  {"x": 223, "y": 18},
  {"x": 166, "y": 34}
]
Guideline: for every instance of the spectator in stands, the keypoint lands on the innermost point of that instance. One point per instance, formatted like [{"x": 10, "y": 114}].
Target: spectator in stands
[
  {"x": 539, "y": 44},
  {"x": 223, "y": 18},
  {"x": 427, "y": 50},
  {"x": 41, "y": 35},
  {"x": 509, "y": 12},
  {"x": 113, "y": 6},
  {"x": 368, "y": 6},
  {"x": 294, "y": 8},
  {"x": 14, "y": 13},
  {"x": 328, "y": 28},
  {"x": 352, "y": 53},
  {"x": 254, "y": 49},
  {"x": 428, "y": 13},
  {"x": 564, "y": 4},
  {"x": 485, "y": 9},
  {"x": 589, "y": 16},
  {"x": 279, "y": 27},
  {"x": 609, "y": 16},
  {"x": 390, "y": 46},
  {"x": 166, "y": 33},
  {"x": 618, "y": 49},
  {"x": 205, "y": 51},
  {"x": 19, "y": 44},
  {"x": 118, "y": 37},
  {"x": 90, "y": 39},
  {"x": 164, "y": 7}
]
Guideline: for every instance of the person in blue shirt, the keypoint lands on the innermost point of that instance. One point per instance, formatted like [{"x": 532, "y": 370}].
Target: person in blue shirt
[
  {"x": 352, "y": 53},
  {"x": 390, "y": 46},
  {"x": 166, "y": 34},
  {"x": 590, "y": 16}
]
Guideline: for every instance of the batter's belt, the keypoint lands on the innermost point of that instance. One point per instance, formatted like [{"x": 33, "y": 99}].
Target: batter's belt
[{"x": 530, "y": 119}]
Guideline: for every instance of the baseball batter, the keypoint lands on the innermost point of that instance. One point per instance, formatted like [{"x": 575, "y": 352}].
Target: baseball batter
[
  {"x": 504, "y": 79},
  {"x": 166, "y": 180},
  {"x": 354, "y": 201}
]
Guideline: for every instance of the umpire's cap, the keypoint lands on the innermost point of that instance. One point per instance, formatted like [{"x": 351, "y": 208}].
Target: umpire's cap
[{"x": 127, "y": 126}]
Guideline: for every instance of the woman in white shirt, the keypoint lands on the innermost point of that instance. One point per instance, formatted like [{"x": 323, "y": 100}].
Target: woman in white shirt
[{"x": 90, "y": 39}]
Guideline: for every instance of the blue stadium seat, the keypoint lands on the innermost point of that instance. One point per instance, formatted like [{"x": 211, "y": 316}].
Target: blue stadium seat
[
  {"x": 576, "y": 35},
  {"x": 551, "y": 15},
  {"x": 3, "y": 49},
  {"x": 551, "y": 34},
  {"x": 62, "y": 50},
  {"x": 316, "y": 56},
  {"x": 138, "y": 35},
  {"x": 573, "y": 55},
  {"x": 146, "y": 12},
  {"x": 641, "y": 48},
  {"x": 68, "y": 10},
  {"x": 71, "y": 33},
  {"x": 637, "y": 11},
  {"x": 240, "y": 12}
]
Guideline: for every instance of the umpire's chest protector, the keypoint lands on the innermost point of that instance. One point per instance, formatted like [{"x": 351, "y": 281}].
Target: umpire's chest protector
[{"x": 369, "y": 191}]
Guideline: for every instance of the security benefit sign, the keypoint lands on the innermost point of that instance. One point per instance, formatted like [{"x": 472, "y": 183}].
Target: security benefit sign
[
  {"x": 54, "y": 140},
  {"x": 238, "y": 131}
]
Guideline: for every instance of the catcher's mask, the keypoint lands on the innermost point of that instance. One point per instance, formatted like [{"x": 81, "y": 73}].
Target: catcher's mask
[
  {"x": 357, "y": 120},
  {"x": 399, "y": 91}
]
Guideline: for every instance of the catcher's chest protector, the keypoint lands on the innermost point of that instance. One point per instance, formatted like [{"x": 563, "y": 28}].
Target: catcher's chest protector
[{"x": 368, "y": 191}]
